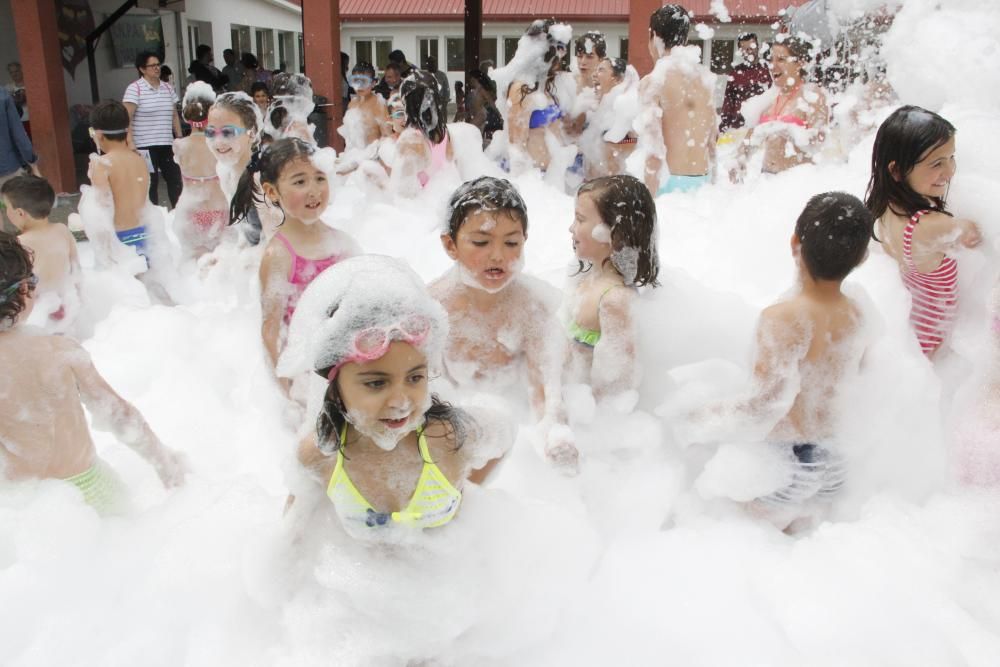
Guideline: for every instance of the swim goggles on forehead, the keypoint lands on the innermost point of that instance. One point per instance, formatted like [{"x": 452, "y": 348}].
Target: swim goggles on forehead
[
  {"x": 10, "y": 290},
  {"x": 373, "y": 342},
  {"x": 398, "y": 113},
  {"x": 93, "y": 133},
  {"x": 561, "y": 46},
  {"x": 224, "y": 132},
  {"x": 360, "y": 80}
]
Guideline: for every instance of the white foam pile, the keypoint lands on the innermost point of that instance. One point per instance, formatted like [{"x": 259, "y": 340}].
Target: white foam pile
[{"x": 638, "y": 560}]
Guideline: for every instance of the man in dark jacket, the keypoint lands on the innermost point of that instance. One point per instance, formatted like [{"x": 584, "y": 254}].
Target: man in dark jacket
[
  {"x": 749, "y": 79},
  {"x": 203, "y": 70}
]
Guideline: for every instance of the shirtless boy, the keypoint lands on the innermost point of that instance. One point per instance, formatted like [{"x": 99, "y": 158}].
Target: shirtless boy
[
  {"x": 29, "y": 200},
  {"x": 122, "y": 170},
  {"x": 806, "y": 346},
  {"x": 369, "y": 107},
  {"x": 43, "y": 429},
  {"x": 683, "y": 136}
]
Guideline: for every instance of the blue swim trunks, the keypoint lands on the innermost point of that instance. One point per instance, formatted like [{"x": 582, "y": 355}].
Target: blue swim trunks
[
  {"x": 136, "y": 238},
  {"x": 682, "y": 184}
]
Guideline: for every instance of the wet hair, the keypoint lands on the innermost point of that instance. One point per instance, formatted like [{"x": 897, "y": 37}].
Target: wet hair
[
  {"x": 904, "y": 138},
  {"x": 196, "y": 110},
  {"x": 423, "y": 106},
  {"x": 671, "y": 24},
  {"x": 627, "y": 208},
  {"x": 258, "y": 86},
  {"x": 270, "y": 164},
  {"x": 618, "y": 66},
  {"x": 541, "y": 27},
  {"x": 600, "y": 45},
  {"x": 202, "y": 51},
  {"x": 484, "y": 80},
  {"x": 284, "y": 85},
  {"x": 833, "y": 229},
  {"x": 332, "y": 421},
  {"x": 484, "y": 194},
  {"x": 142, "y": 57},
  {"x": 243, "y": 106},
  {"x": 746, "y": 37},
  {"x": 364, "y": 68},
  {"x": 110, "y": 116},
  {"x": 800, "y": 49},
  {"x": 31, "y": 193},
  {"x": 15, "y": 266},
  {"x": 430, "y": 64},
  {"x": 397, "y": 57}
]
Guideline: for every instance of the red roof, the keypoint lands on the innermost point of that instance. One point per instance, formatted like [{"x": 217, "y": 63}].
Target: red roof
[{"x": 741, "y": 11}]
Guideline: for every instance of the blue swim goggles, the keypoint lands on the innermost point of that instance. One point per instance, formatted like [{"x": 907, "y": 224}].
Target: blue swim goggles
[{"x": 12, "y": 289}]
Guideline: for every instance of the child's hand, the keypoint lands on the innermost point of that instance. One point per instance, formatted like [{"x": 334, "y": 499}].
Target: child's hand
[
  {"x": 971, "y": 236},
  {"x": 172, "y": 467},
  {"x": 560, "y": 450}
]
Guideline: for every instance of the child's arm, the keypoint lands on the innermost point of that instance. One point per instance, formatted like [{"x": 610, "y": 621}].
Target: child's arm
[
  {"x": 274, "y": 289},
  {"x": 939, "y": 232},
  {"x": 648, "y": 126},
  {"x": 114, "y": 413},
  {"x": 517, "y": 121},
  {"x": 614, "y": 368}
]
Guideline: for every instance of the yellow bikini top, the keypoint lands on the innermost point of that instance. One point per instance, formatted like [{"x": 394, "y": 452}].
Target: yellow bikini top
[{"x": 434, "y": 502}]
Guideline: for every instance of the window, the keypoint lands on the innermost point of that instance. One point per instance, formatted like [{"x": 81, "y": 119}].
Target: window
[
  {"x": 265, "y": 48},
  {"x": 488, "y": 50},
  {"x": 240, "y": 37},
  {"x": 456, "y": 54},
  {"x": 286, "y": 52},
  {"x": 623, "y": 48},
  {"x": 509, "y": 49},
  {"x": 722, "y": 55},
  {"x": 428, "y": 48},
  {"x": 302, "y": 54},
  {"x": 194, "y": 38},
  {"x": 701, "y": 47},
  {"x": 372, "y": 50}
]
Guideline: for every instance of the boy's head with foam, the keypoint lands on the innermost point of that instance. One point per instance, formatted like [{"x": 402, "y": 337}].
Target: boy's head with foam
[
  {"x": 110, "y": 119},
  {"x": 670, "y": 24},
  {"x": 17, "y": 282},
  {"x": 831, "y": 235},
  {"x": 486, "y": 227},
  {"x": 27, "y": 196}
]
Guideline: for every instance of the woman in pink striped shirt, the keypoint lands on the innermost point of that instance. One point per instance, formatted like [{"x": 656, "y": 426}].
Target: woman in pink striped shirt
[{"x": 913, "y": 162}]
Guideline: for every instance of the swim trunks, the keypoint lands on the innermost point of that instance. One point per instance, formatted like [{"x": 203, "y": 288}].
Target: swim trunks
[
  {"x": 814, "y": 473},
  {"x": 682, "y": 184},
  {"x": 136, "y": 238},
  {"x": 101, "y": 487}
]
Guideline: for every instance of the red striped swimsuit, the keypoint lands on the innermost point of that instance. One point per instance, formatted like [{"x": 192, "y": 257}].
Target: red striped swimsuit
[{"x": 935, "y": 294}]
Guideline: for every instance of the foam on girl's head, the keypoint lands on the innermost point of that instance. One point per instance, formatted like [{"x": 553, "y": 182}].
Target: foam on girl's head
[
  {"x": 292, "y": 96},
  {"x": 483, "y": 194},
  {"x": 243, "y": 106},
  {"x": 198, "y": 99},
  {"x": 370, "y": 291},
  {"x": 627, "y": 209}
]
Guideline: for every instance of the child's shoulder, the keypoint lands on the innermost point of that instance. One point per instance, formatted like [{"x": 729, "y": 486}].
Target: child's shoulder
[{"x": 535, "y": 292}]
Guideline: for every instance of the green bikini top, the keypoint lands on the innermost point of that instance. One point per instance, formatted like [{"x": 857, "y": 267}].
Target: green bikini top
[{"x": 587, "y": 337}]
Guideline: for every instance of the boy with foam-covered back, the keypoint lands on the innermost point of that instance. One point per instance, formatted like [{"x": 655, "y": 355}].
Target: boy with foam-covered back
[
  {"x": 43, "y": 429},
  {"x": 806, "y": 347},
  {"x": 28, "y": 201}
]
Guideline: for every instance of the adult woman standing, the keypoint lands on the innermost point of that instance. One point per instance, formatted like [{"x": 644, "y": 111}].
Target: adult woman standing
[{"x": 154, "y": 123}]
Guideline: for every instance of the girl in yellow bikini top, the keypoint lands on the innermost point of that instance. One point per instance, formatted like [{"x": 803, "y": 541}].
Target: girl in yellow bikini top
[{"x": 434, "y": 502}]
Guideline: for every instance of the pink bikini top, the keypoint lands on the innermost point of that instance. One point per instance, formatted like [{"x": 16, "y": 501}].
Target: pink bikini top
[
  {"x": 439, "y": 158},
  {"x": 787, "y": 118},
  {"x": 302, "y": 273}
]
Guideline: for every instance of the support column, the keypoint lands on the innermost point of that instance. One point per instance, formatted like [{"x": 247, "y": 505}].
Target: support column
[
  {"x": 473, "y": 37},
  {"x": 639, "y": 12},
  {"x": 38, "y": 46},
  {"x": 321, "y": 41}
]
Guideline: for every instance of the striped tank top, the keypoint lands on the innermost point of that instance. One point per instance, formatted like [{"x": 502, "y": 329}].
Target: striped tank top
[{"x": 934, "y": 294}]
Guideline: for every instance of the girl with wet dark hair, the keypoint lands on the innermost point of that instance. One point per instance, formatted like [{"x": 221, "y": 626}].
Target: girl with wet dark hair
[
  {"x": 303, "y": 247},
  {"x": 614, "y": 238},
  {"x": 423, "y": 147},
  {"x": 913, "y": 162}
]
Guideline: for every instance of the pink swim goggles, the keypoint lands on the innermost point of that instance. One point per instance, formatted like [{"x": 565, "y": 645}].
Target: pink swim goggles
[{"x": 373, "y": 342}]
